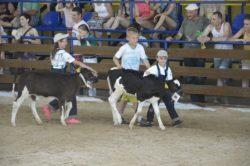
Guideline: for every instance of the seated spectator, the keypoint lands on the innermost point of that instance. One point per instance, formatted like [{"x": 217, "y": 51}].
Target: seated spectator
[
  {"x": 245, "y": 32},
  {"x": 2, "y": 53},
  {"x": 23, "y": 31},
  {"x": 191, "y": 25},
  {"x": 66, "y": 10},
  {"x": 220, "y": 31},
  {"x": 122, "y": 19},
  {"x": 84, "y": 34},
  {"x": 30, "y": 8},
  {"x": 144, "y": 14},
  {"x": 103, "y": 12},
  {"x": 166, "y": 17},
  {"x": 207, "y": 9},
  {"x": 6, "y": 14}
]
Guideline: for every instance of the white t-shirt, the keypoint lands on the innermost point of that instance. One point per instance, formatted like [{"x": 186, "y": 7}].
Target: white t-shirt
[
  {"x": 75, "y": 32},
  {"x": 153, "y": 70},
  {"x": 131, "y": 57},
  {"x": 68, "y": 18},
  {"x": 60, "y": 59}
]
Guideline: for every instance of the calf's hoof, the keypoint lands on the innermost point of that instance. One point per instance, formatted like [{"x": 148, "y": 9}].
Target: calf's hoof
[
  {"x": 162, "y": 127},
  {"x": 63, "y": 123},
  {"x": 39, "y": 122},
  {"x": 131, "y": 126},
  {"x": 13, "y": 124}
]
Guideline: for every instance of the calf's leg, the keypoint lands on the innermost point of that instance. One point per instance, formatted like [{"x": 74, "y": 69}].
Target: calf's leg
[
  {"x": 68, "y": 108},
  {"x": 17, "y": 104},
  {"x": 138, "y": 111},
  {"x": 62, "y": 109},
  {"x": 157, "y": 113},
  {"x": 33, "y": 108},
  {"x": 113, "y": 98}
]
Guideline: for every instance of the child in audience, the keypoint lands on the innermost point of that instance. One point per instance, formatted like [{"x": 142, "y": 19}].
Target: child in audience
[
  {"x": 245, "y": 32},
  {"x": 84, "y": 33}
]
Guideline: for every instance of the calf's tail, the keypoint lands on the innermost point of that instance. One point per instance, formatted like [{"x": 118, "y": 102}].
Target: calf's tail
[
  {"x": 109, "y": 84},
  {"x": 13, "y": 86}
]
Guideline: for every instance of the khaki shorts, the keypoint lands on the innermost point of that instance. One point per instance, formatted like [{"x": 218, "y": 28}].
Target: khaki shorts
[{"x": 129, "y": 98}]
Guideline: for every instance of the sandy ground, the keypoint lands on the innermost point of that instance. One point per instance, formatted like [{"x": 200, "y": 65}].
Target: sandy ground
[{"x": 206, "y": 138}]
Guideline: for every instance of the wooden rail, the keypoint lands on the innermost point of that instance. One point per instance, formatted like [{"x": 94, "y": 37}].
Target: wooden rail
[{"x": 174, "y": 54}]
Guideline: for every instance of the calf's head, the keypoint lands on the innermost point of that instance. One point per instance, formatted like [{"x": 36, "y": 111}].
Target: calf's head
[
  {"x": 173, "y": 88},
  {"x": 87, "y": 77}
]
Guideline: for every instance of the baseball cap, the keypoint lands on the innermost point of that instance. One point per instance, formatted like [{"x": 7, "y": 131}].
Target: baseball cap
[
  {"x": 162, "y": 53},
  {"x": 192, "y": 6},
  {"x": 60, "y": 36}
]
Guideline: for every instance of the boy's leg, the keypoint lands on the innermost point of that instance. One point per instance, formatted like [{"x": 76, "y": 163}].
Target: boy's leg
[
  {"x": 150, "y": 114},
  {"x": 121, "y": 107},
  {"x": 171, "y": 110}
]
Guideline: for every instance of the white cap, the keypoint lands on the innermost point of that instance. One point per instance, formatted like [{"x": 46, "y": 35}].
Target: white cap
[
  {"x": 60, "y": 36},
  {"x": 192, "y": 6},
  {"x": 162, "y": 53}
]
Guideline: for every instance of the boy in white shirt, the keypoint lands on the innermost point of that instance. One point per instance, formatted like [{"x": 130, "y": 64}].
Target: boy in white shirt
[
  {"x": 131, "y": 54},
  {"x": 163, "y": 72}
]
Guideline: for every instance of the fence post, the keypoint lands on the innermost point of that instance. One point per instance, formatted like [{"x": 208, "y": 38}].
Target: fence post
[
  {"x": 243, "y": 7},
  {"x": 131, "y": 7},
  {"x": 71, "y": 49}
]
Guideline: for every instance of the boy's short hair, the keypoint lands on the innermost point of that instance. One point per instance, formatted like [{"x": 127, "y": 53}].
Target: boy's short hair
[
  {"x": 77, "y": 9},
  {"x": 219, "y": 14},
  {"x": 247, "y": 17},
  {"x": 27, "y": 16},
  {"x": 132, "y": 30},
  {"x": 137, "y": 26}
]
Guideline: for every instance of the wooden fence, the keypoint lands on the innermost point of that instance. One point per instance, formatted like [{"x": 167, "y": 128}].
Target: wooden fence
[{"x": 178, "y": 54}]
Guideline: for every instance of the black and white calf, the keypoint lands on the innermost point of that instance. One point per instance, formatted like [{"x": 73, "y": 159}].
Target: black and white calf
[
  {"x": 146, "y": 89},
  {"x": 61, "y": 86}
]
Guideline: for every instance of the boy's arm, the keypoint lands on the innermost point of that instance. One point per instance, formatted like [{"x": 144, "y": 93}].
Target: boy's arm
[
  {"x": 117, "y": 62},
  {"x": 146, "y": 63}
]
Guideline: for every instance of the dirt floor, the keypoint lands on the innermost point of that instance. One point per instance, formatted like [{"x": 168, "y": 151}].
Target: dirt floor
[{"x": 206, "y": 138}]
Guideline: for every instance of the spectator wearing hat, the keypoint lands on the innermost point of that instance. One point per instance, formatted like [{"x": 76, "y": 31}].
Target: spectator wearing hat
[
  {"x": 59, "y": 59},
  {"x": 192, "y": 25},
  {"x": 163, "y": 72}
]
